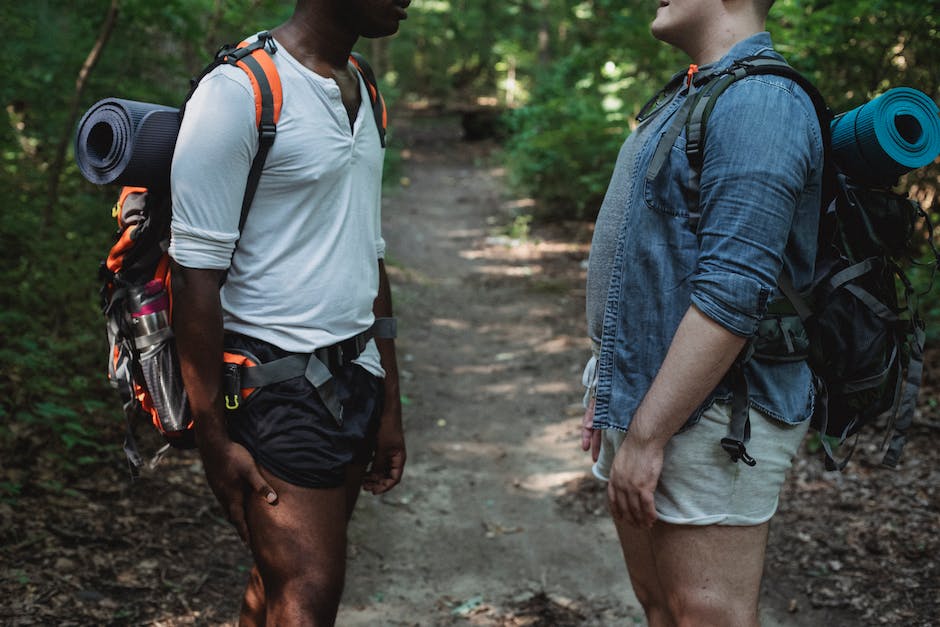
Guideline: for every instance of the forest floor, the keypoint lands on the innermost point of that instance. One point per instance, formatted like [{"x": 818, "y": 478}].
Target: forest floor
[{"x": 497, "y": 521}]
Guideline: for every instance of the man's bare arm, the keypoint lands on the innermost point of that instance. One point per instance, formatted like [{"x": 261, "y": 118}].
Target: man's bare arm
[
  {"x": 389, "y": 461},
  {"x": 197, "y": 325}
]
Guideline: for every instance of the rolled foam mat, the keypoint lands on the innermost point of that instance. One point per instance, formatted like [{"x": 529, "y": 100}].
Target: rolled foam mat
[
  {"x": 895, "y": 133},
  {"x": 127, "y": 142}
]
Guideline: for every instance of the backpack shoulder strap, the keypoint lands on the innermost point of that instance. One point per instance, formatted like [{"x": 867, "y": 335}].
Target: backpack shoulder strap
[
  {"x": 378, "y": 103},
  {"x": 255, "y": 59},
  {"x": 703, "y": 102},
  {"x": 750, "y": 66}
]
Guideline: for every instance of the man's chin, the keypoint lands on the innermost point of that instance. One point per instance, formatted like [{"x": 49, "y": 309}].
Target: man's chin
[
  {"x": 378, "y": 33},
  {"x": 661, "y": 32}
]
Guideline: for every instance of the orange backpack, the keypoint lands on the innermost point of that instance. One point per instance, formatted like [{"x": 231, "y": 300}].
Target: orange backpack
[{"x": 136, "y": 285}]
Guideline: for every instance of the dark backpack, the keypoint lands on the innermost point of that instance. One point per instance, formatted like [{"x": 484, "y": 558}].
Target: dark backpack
[
  {"x": 136, "y": 283},
  {"x": 858, "y": 326}
]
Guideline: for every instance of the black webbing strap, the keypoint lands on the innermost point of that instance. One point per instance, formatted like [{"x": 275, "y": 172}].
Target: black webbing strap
[
  {"x": 267, "y": 131},
  {"x": 785, "y": 284},
  {"x": 267, "y": 128},
  {"x": 739, "y": 427},
  {"x": 661, "y": 97},
  {"x": 379, "y": 111},
  {"x": 908, "y": 398}
]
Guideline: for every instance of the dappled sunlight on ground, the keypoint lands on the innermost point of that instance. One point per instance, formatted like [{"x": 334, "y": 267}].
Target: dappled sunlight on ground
[
  {"x": 450, "y": 323},
  {"x": 549, "y": 483}
]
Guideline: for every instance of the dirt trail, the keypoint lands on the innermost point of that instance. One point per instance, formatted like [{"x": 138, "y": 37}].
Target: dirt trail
[
  {"x": 497, "y": 521},
  {"x": 490, "y": 351}
]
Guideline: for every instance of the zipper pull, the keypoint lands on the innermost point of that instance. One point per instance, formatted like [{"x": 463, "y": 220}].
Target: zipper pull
[
  {"x": 231, "y": 385},
  {"x": 688, "y": 77}
]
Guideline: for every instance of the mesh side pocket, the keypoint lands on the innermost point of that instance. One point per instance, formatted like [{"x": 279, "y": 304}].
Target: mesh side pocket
[{"x": 164, "y": 382}]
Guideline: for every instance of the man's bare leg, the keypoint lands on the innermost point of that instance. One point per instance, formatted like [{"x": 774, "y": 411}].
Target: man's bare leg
[
  {"x": 302, "y": 550},
  {"x": 707, "y": 575},
  {"x": 253, "y": 610},
  {"x": 641, "y": 566}
]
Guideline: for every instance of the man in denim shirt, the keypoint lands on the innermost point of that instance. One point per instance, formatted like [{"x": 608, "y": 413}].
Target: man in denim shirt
[{"x": 673, "y": 300}]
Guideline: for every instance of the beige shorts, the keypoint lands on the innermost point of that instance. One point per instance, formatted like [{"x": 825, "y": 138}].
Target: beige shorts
[{"x": 700, "y": 485}]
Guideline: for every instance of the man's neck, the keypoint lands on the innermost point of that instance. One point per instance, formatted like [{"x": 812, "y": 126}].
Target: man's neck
[
  {"x": 317, "y": 39},
  {"x": 731, "y": 23}
]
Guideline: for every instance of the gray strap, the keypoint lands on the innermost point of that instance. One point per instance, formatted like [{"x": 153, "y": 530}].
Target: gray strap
[
  {"x": 876, "y": 306},
  {"x": 851, "y": 273},
  {"x": 134, "y": 460},
  {"x": 311, "y": 367},
  {"x": 274, "y": 371},
  {"x": 821, "y": 424},
  {"x": 908, "y": 401},
  {"x": 385, "y": 328},
  {"x": 321, "y": 378},
  {"x": 860, "y": 385},
  {"x": 158, "y": 456},
  {"x": 668, "y": 139},
  {"x": 292, "y": 366},
  {"x": 799, "y": 305},
  {"x": 739, "y": 427}
]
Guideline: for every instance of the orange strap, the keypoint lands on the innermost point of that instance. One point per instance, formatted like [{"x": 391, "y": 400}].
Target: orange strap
[
  {"x": 264, "y": 59},
  {"x": 688, "y": 77}
]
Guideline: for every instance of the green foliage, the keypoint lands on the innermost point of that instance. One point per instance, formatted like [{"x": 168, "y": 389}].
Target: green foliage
[
  {"x": 582, "y": 105},
  {"x": 567, "y": 164},
  {"x": 56, "y": 407},
  {"x": 462, "y": 49}
]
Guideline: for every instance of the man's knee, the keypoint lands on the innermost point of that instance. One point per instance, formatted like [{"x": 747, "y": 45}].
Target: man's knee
[
  {"x": 699, "y": 607},
  {"x": 311, "y": 597},
  {"x": 649, "y": 596}
]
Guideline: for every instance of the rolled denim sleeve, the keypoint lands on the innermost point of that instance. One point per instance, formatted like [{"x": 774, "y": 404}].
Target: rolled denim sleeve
[{"x": 761, "y": 148}]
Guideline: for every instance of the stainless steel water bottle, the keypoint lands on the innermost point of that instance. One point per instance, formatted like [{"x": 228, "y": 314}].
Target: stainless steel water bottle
[{"x": 149, "y": 309}]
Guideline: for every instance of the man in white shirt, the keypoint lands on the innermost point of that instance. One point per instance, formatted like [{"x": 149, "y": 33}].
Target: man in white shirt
[{"x": 306, "y": 277}]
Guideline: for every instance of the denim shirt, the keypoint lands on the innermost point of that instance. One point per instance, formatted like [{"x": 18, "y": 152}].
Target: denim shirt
[{"x": 758, "y": 198}]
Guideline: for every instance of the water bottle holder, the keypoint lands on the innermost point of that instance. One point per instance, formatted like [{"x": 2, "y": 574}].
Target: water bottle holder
[{"x": 163, "y": 381}]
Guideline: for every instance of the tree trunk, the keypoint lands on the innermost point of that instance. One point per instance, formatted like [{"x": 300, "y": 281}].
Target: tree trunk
[
  {"x": 378, "y": 57},
  {"x": 55, "y": 170},
  {"x": 544, "y": 35}
]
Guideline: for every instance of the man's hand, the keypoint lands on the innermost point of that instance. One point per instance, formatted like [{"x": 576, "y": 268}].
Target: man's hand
[
  {"x": 389, "y": 461},
  {"x": 633, "y": 479},
  {"x": 590, "y": 437},
  {"x": 233, "y": 476}
]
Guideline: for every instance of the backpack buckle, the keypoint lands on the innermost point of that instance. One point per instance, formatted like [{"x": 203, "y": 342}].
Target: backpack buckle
[
  {"x": 232, "y": 385},
  {"x": 266, "y": 132},
  {"x": 736, "y": 450}
]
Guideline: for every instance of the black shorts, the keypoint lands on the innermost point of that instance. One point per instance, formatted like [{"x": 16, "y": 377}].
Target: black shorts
[{"x": 288, "y": 430}]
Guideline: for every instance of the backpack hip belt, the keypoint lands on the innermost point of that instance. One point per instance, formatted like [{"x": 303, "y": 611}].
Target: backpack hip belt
[{"x": 243, "y": 374}]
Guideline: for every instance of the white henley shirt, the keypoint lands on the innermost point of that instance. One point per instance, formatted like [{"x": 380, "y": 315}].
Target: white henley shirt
[{"x": 304, "y": 274}]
